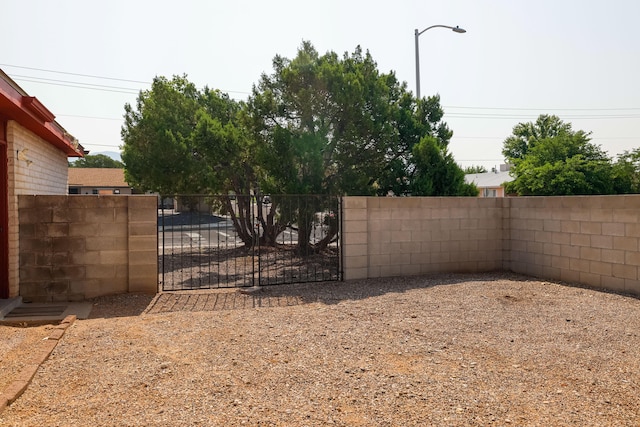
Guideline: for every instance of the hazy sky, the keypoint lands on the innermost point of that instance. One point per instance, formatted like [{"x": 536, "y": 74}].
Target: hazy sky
[{"x": 577, "y": 59}]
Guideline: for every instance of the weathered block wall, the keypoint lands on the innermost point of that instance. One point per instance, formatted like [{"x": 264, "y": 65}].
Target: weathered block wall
[
  {"x": 77, "y": 247},
  {"x": 589, "y": 240},
  {"x": 418, "y": 235},
  {"x": 34, "y": 167}
]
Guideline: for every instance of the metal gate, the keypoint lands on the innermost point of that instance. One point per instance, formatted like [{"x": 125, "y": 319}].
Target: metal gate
[{"x": 208, "y": 242}]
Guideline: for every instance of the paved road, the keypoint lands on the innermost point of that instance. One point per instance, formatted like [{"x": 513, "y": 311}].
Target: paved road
[
  {"x": 211, "y": 237},
  {"x": 201, "y": 230}
]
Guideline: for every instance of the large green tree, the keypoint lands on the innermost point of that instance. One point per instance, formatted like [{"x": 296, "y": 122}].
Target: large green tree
[
  {"x": 330, "y": 124},
  {"x": 96, "y": 161},
  {"x": 182, "y": 140},
  {"x": 178, "y": 139},
  {"x": 549, "y": 158}
]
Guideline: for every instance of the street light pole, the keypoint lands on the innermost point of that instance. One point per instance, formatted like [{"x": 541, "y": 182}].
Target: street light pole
[{"x": 417, "y": 33}]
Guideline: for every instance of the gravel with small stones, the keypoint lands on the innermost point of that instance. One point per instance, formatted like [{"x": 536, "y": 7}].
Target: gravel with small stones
[{"x": 458, "y": 350}]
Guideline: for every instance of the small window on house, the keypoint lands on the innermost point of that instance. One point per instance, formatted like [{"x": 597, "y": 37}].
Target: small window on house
[
  {"x": 490, "y": 192},
  {"x": 94, "y": 191},
  {"x": 74, "y": 190}
]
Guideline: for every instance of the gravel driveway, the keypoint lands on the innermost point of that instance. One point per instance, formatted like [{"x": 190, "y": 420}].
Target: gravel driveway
[{"x": 456, "y": 350}]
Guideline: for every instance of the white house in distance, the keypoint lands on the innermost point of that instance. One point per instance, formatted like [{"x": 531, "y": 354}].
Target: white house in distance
[
  {"x": 490, "y": 184},
  {"x": 34, "y": 150}
]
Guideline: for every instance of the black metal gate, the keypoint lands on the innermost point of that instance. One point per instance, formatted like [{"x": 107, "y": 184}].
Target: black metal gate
[{"x": 208, "y": 242}]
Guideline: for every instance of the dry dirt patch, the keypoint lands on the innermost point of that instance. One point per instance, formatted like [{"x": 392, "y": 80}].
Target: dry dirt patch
[{"x": 440, "y": 350}]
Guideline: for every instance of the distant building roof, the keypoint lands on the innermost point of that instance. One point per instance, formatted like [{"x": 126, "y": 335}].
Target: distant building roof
[
  {"x": 488, "y": 179},
  {"x": 97, "y": 177}
]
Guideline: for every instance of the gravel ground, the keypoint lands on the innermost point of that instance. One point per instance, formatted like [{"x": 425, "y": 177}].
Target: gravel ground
[{"x": 456, "y": 350}]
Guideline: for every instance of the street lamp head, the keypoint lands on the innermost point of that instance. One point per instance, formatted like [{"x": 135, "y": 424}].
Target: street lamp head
[{"x": 417, "y": 34}]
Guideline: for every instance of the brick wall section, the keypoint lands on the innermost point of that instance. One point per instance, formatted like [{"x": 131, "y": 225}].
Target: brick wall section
[
  {"x": 592, "y": 240},
  {"x": 418, "y": 235},
  {"x": 78, "y": 247},
  {"x": 589, "y": 240},
  {"x": 43, "y": 170}
]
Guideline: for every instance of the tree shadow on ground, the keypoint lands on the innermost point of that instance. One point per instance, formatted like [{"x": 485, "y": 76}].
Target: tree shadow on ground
[
  {"x": 327, "y": 293},
  {"x": 354, "y": 290}
]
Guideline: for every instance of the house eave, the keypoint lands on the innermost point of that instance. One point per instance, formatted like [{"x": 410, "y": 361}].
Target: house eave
[{"x": 30, "y": 113}]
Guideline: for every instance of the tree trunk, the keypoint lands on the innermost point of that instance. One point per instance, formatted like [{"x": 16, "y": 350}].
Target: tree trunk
[{"x": 243, "y": 219}]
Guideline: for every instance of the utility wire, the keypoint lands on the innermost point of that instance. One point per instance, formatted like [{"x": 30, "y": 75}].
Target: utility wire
[
  {"x": 90, "y": 76},
  {"x": 78, "y": 85},
  {"x": 544, "y": 109},
  {"x": 74, "y": 74},
  {"x": 242, "y": 92},
  {"x": 81, "y": 84}
]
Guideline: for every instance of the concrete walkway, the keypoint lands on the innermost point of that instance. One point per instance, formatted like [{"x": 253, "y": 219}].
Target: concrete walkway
[{"x": 15, "y": 312}]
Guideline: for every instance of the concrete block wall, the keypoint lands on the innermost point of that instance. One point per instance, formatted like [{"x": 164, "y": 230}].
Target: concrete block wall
[
  {"x": 385, "y": 237},
  {"x": 592, "y": 240},
  {"x": 39, "y": 169},
  {"x": 77, "y": 247}
]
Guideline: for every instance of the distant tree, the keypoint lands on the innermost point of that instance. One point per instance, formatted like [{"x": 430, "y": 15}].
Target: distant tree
[
  {"x": 525, "y": 136},
  {"x": 557, "y": 161},
  {"x": 474, "y": 169},
  {"x": 437, "y": 174},
  {"x": 626, "y": 172},
  {"x": 96, "y": 161}
]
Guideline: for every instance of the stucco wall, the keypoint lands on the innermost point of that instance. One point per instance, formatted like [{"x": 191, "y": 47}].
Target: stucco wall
[
  {"x": 34, "y": 167},
  {"x": 77, "y": 247}
]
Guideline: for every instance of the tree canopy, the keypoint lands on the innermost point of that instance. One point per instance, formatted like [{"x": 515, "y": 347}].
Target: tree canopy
[
  {"x": 327, "y": 124},
  {"x": 317, "y": 124},
  {"x": 550, "y": 158},
  {"x": 626, "y": 172},
  {"x": 96, "y": 161},
  {"x": 179, "y": 139}
]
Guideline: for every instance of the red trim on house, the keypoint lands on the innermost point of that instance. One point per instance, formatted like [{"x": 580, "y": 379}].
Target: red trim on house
[
  {"x": 36, "y": 107},
  {"x": 31, "y": 114},
  {"x": 4, "y": 212}
]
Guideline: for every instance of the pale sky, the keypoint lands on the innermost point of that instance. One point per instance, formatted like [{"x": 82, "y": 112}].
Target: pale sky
[{"x": 577, "y": 59}]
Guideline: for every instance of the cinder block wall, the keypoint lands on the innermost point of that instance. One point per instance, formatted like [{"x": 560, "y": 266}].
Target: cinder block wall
[
  {"x": 417, "y": 235},
  {"x": 41, "y": 169},
  {"x": 592, "y": 240},
  {"x": 78, "y": 247}
]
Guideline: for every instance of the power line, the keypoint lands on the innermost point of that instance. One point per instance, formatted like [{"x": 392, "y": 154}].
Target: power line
[
  {"x": 74, "y": 74},
  {"x": 544, "y": 109},
  {"x": 503, "y": 137},
  {"x": 526, "y": 117},
  {"x": 87, "y": 85},
  {"x": 90, "y": 76},
  {"x": 246, "y": 93},
  {"x": 79, "y": 86},
  {"x": 90, "y": 117}
]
